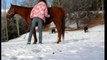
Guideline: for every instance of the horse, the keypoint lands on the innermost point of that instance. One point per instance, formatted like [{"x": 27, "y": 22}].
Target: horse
[{"x": 57, "y": 15}]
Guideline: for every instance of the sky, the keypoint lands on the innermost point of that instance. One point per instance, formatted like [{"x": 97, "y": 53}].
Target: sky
[{"x": 8, "y": 2}]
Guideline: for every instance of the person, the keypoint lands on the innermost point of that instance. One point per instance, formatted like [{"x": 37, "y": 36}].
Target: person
[{"x": 38, "y": 14}]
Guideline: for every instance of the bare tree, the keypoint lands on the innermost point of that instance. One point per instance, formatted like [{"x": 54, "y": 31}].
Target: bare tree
[
  {"x": 57, "y": 3},
  {"x": 79, "y": 9},
  {"x": 17, "y": 20},
  {"x": 4, "y": 8},
  {"x": 29, "y": 3}
]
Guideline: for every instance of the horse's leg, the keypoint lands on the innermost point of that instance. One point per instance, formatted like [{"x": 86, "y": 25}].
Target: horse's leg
[
  {"x": 59, "y": 36},
  {"x": 59, "y": 30},
  {"x": 59, "y": 33},
  {"x": 35, "y": 38}
]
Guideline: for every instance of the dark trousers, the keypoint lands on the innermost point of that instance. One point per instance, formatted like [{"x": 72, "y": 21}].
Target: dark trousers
[{"x": 36, "y": 21}]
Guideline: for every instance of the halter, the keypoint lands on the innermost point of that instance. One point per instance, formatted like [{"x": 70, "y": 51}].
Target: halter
[{"x": 10, "y": 13}]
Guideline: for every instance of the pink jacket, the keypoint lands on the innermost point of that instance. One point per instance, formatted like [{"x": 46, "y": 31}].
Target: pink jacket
[{"x": 39, "y": 10}]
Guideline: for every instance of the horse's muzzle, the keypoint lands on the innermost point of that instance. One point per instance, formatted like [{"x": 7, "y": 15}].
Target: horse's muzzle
[{"x": 7, "y": 17}]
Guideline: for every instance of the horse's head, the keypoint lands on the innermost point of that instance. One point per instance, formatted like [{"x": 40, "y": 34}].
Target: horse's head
[{"x": 11, "y": 12}]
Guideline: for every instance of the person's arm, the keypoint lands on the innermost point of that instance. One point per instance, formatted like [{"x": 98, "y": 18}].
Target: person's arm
[{"x": 46, "y": 12}]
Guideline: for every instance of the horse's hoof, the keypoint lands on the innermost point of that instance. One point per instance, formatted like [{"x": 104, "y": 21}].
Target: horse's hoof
[
  {"x": 34, "y": 43},
  {"x": 58, "y": 42}
]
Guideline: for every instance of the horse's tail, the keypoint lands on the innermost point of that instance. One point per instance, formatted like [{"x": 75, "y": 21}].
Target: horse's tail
[{"x": 63, "y": 27}]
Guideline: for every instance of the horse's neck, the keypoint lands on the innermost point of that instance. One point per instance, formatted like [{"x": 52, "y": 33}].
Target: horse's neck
[
  {"x": 21, "y": 11},
  {"x": 24, "y": 13}
]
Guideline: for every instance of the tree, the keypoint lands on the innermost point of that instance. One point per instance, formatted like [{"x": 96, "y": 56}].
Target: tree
[
  {"x": 58, "y": 3},
  {"x": 29, "y": 3},
  {"x": 17, "y": 20},
  {"x": 79, "y": 9},
  {"x": 4, "y": 8}
]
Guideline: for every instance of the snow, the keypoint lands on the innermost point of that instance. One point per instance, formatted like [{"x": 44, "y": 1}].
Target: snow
[
  {"x": 76, "y": 46},
  {"x": 3, "y": 10}
]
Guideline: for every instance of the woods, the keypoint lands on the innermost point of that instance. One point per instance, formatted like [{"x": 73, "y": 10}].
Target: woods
[
  {"x": 77, "y": 11},
  {"x": 5, "y": 30},
  {"x": 80, "y": 10}
]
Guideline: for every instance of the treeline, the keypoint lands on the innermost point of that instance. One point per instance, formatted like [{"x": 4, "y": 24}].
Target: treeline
[
  {"x": 12, "y": 28},
  {"x": 80, "y": 11}
]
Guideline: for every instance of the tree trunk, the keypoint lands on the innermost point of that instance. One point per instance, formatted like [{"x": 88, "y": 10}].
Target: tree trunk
[
  {"x": 76, "y": 18},
  {"x": 4, "y": 7},
  {"x": 102, "y": 8},
  {"x": 17, "y": 25},
  {"x": 77, "y": 23},
  {"x": 17, "y": 21}
]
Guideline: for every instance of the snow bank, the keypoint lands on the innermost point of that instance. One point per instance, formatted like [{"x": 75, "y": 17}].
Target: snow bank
[{"x": 76, "y": 46}]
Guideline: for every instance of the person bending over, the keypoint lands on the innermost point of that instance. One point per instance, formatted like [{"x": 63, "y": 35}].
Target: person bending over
[{"x": 38, "y": 14}]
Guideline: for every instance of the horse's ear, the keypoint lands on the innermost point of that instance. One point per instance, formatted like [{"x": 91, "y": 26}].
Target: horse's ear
[{"x": 11, "y": 4}]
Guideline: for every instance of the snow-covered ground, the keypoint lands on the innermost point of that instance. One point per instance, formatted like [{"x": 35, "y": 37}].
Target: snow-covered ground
[{"x": 76, "y": 46}]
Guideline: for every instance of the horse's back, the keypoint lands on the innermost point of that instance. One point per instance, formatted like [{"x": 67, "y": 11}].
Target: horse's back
[
  {"x": 58, "y": 9},
  {"x": 57, "y": 12}
]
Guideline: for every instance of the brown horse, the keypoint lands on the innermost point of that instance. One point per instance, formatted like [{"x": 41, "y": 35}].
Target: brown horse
[{"x": 57, "y": 15}]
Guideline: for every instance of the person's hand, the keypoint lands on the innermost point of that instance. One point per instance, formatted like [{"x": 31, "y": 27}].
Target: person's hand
[{"x": 48, "y": 15}]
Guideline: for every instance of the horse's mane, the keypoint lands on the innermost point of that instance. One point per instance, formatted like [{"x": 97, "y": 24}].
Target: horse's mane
[{"x": 22, "y": 7}]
